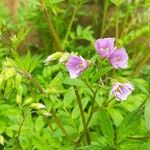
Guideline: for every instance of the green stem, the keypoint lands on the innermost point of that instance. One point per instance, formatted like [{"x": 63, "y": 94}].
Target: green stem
[
  {"x": 139, "y": 137},
  {"x": 146, "y": 59},
  {"x": 82, "y": 114},
  {"x": 90, "y": 116},
  {"x": 117, "y": 24},
  {"x": 30, "y": 78},
  {"x": 51, "y": 27},
  {"x": 104, "y": 18},
  {"x": 22, "y": 119},
  {"x": 125, "y": 22},
  {"x": 59, "y": 124}
]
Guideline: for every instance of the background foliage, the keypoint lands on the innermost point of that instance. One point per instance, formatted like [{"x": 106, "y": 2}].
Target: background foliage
[{"x": 42, "y": 27}]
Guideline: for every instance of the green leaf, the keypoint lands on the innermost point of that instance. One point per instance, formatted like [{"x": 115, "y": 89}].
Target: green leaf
[
  {"x": 103, "y": 71},
  {"x": 106, "y": 127},
  {"x": 116, "y": 116},
  {"x": 147, "y": 115},
  {"x": 117, "y": 2},
  {"x": 130, "y": 122},
  {"x": 68, "y": 97},
  {"x": 141, "y": 86},
  {"x": 76, "y": 111},
  {"x": 39, "y": 124},
  {"x": 135, "y": 34},
  {"x": 76, "y": 82}
]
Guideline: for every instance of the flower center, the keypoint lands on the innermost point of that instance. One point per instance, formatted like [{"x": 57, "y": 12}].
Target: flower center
[
  {"x": 104, "y": 49},
  {"x": 119, "y": 89},
  {"x": 118, "y": 58},
  {"x": 80, "y": 65}
]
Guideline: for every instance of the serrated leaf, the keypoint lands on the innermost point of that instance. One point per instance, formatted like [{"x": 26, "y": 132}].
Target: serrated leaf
[
  {"x": 39, "y": 124},
  {"x": 68, "y": 97},
  {"x": 128, "y": 125},
  {"x": 116, "y": 116},
  {"x": 106, "y": 127}
]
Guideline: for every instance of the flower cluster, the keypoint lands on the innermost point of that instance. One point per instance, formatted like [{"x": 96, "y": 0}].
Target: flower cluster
[{"x": 106, "y": 48}]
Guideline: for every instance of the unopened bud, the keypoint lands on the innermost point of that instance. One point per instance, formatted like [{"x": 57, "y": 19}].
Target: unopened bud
[
  {"x": 18, "y": 80},
  {"x": 18, "y": 99},
  {"x": 64, "y": 57},
  {"x": 46, "y": 113},
  {"x": 10, "y": 73},
  {"x": 2, "y": 140},
  {"x": 1, "y": 81},
  {"x": 9, "y": 62},
  {"x": 52, "y": 57},
  {"x": 91, "y": 63},
  {"x": 38, "y": 106}
]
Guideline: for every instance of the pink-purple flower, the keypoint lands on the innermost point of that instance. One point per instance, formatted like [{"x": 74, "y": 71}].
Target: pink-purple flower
[
  {"x": 119, "y": 58},
  {"x": 122, "y": 90},
  {"x": 105, "y": 47},
  {"x": 76, "y": 65}
]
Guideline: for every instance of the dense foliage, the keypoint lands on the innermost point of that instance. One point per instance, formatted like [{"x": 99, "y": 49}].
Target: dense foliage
[{"x": 46, "y": 104}]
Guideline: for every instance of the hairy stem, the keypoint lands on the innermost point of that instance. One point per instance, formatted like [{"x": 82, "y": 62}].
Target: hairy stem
[
  {"x": 82, "y": 114},
  {"x": 51, "y": 27}
]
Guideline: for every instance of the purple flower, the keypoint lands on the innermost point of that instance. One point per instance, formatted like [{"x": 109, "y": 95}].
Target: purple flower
[
  {"x": 119, "y": 58},
  {"x": 105, "y": 47},
  {"x": 76, "y": 65},
  {"x": 122, "y": 90}
]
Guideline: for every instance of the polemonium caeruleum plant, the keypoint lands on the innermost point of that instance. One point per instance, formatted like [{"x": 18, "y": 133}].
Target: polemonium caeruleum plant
[{"x": 82, "y": 100}]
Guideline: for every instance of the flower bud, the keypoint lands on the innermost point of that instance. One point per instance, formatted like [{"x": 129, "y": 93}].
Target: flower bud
[
  {"x": 1, "y": 81},
  {"x": 18, "y": 99},
  {"x": 45, "y": 113},
  {"x": 9, "y": 63},
  {"x": 52, "y": 57},
  {"x": 64, "y": 58},
  {"x": 2, "y": 140},
  {"x": 10, "y": 72},
  {"x": 18, "y": 80},
  {"x": 38, "y": 106}
]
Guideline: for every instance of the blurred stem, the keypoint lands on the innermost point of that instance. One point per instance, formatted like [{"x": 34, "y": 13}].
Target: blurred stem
[
  {"x": 92, "y": 108},
  {"x": 82, "y": 114},
  {"x": 139, "y": 137},
  {"x": 22, "y": 120},
  {"x": 51, "y": 27},
  {"x": 125, "y": 22},
  {"x": 70, "y": 24},
  {"x": 117, "y": 23},
  {"x": 104, "y": 18},
  {"x": 139, "y": 67}
]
